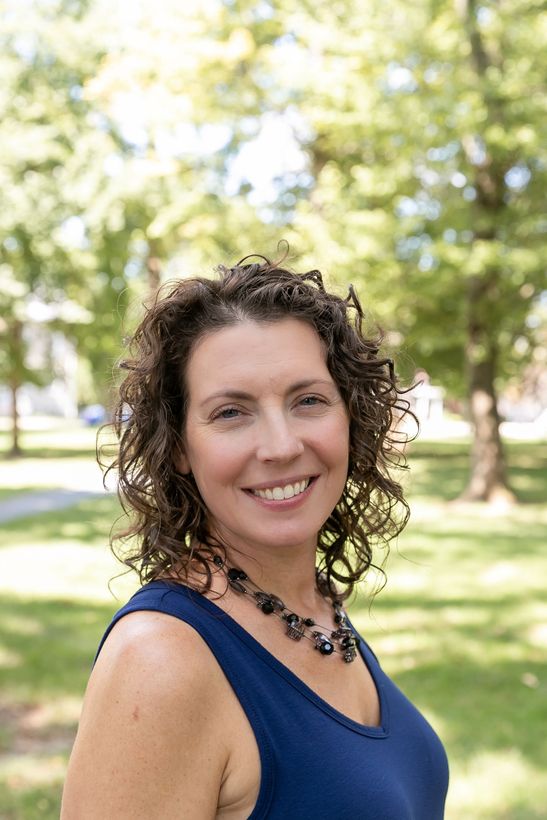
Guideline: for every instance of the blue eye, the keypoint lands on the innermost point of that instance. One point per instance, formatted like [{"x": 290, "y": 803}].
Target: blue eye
[
  {"x": 312, "y": 399},
  {"x": 227, "y": 413}
]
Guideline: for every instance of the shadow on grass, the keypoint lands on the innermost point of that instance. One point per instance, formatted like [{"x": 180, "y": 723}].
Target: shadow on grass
[
  {"x": 8, "y": 493},
  {"x": 60, "y": 441},
  {"x": 485, "y": 544},
  {"x": 50, "y": 645},
  {"x": 46, "y": 652},
  {"x": 481, "y": 676},
  {"x": 440, "y": 469},
  {"x": 483, "y": 707},
  {"x": 88, "y": 522},
  {"x": 33, "y": 452}
]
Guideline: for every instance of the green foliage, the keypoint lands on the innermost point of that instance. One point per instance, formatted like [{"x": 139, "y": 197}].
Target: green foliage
[
  {"x": 423, "y": 152},
  {"x": 44, "y": 146},
  {"x": 417, "y": 172},
  {"x": 427, "y": 147}
]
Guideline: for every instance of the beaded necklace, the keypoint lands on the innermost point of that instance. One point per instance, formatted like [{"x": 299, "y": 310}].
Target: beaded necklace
[{"x": 342, "y": 640}]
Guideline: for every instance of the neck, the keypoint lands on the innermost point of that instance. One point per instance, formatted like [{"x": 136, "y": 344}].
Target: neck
[
  {"x": 294, "y": 583},
  {"x": 286, "y": 572}
]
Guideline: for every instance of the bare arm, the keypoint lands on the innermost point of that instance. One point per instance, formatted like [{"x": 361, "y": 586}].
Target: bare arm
[{"x": 150, "y": 741}]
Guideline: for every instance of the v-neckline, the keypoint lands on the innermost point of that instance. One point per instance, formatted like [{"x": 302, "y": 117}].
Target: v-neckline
[{"x": 291, "y": 677}]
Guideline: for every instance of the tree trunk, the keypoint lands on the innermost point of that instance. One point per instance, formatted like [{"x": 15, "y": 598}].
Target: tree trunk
[
  {"x": 488, "y": 476},
  {"x": 15, "y": 449},
  {"x": 14, "y": 385}
]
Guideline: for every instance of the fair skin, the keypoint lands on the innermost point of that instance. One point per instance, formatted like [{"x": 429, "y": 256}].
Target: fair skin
[{"x": 263, "y": 412}]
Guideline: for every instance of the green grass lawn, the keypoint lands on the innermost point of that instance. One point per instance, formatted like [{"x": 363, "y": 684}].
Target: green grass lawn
[
  {"x": 56, "y": 438},
  {"x": 461, "y": 626}
]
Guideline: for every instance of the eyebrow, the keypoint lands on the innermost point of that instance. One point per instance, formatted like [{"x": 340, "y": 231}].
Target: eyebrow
[{"x": 242, "y": 396}]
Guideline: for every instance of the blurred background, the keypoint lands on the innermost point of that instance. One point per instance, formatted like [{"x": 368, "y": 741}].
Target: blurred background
[{"x": 397, "y": 146}]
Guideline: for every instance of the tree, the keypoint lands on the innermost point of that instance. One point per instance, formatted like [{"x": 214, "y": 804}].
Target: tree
[
  {"x": 423, "y": 125},
  {"x": 106, "y": 188},
  {"x": 423, "y": 166}
]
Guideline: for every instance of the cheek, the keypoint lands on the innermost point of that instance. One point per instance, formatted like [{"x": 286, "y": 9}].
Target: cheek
[
  {"x": 218, "y": 461},
  {"x": 335, "y": 439}
]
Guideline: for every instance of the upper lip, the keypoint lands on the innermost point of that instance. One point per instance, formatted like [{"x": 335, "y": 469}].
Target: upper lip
[{"x": 281, "y": 482}]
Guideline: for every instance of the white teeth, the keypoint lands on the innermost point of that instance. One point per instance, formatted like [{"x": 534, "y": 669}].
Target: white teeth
[{"x": 279, "y": 493}]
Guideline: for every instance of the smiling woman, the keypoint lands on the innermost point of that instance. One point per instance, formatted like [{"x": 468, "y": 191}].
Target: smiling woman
[
  {"x": 256, "y": 438},
  {"x": 276, "y": 436}
]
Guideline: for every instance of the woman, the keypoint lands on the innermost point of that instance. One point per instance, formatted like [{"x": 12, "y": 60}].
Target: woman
[{"x": 254, "y": 427}]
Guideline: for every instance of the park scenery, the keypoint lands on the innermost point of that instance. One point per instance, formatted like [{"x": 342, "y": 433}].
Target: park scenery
[{"x": 398, "y": 147}]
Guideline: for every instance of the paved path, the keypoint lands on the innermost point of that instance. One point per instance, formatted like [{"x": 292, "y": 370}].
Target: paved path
[{"x": 40, "y": 501}]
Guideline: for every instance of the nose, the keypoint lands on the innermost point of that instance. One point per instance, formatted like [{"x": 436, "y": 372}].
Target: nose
[{"x": 278, "y": 440}]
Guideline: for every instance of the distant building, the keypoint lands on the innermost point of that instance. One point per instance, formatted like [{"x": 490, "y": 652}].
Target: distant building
[{"x": 426, "y": 400}]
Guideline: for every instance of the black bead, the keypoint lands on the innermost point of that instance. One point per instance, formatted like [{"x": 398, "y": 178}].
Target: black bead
[
  {"x": 338, "y": 619},
  {"x": 267, "y": 607},
  {"x": 236, "y": 574},
  {"x": 323, "y": 644},
  {"x": 277, "y": 602},
  {"x": 292, "y": 619},
  {"x": 236, "y": 585},
  {"x": 218, "y": 561},
  {"x": 309, "y": 622}
]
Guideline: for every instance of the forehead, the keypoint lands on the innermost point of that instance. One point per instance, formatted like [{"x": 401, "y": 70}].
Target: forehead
[{"x": 256, "y": 352}]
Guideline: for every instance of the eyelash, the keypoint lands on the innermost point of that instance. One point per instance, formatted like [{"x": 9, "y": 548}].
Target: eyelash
[
  {"x": 218, "y": 414},
  {"x": 316, "y": 398}
]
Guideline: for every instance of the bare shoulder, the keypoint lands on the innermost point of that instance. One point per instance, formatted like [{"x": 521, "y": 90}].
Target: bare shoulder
[
  {"x": 150, "y": 741},
  {"x": 147, "y": 639}
]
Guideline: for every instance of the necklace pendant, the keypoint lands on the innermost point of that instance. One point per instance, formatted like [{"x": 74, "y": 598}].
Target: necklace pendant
[
  {"x": 264, "y": 602},
  {"x": 341, "y": 633},
  {"x": 349, "y": 644},
  {"x": 323, "y": 644},
  {"x": 295, "y": 626}
]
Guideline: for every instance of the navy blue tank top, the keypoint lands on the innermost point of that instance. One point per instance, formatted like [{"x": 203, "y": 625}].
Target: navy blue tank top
[{"x": 316, "y": 763}]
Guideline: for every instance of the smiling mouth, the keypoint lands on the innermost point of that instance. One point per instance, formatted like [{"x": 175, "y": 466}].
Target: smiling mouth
[{"x": 283, "y": 492}]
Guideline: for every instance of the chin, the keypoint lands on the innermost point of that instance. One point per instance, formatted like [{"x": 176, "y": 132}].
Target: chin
[{"x": 286, "y": 540}]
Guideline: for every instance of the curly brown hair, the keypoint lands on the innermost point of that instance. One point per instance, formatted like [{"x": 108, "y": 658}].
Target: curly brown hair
[{"x": 166, "y": 512}]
